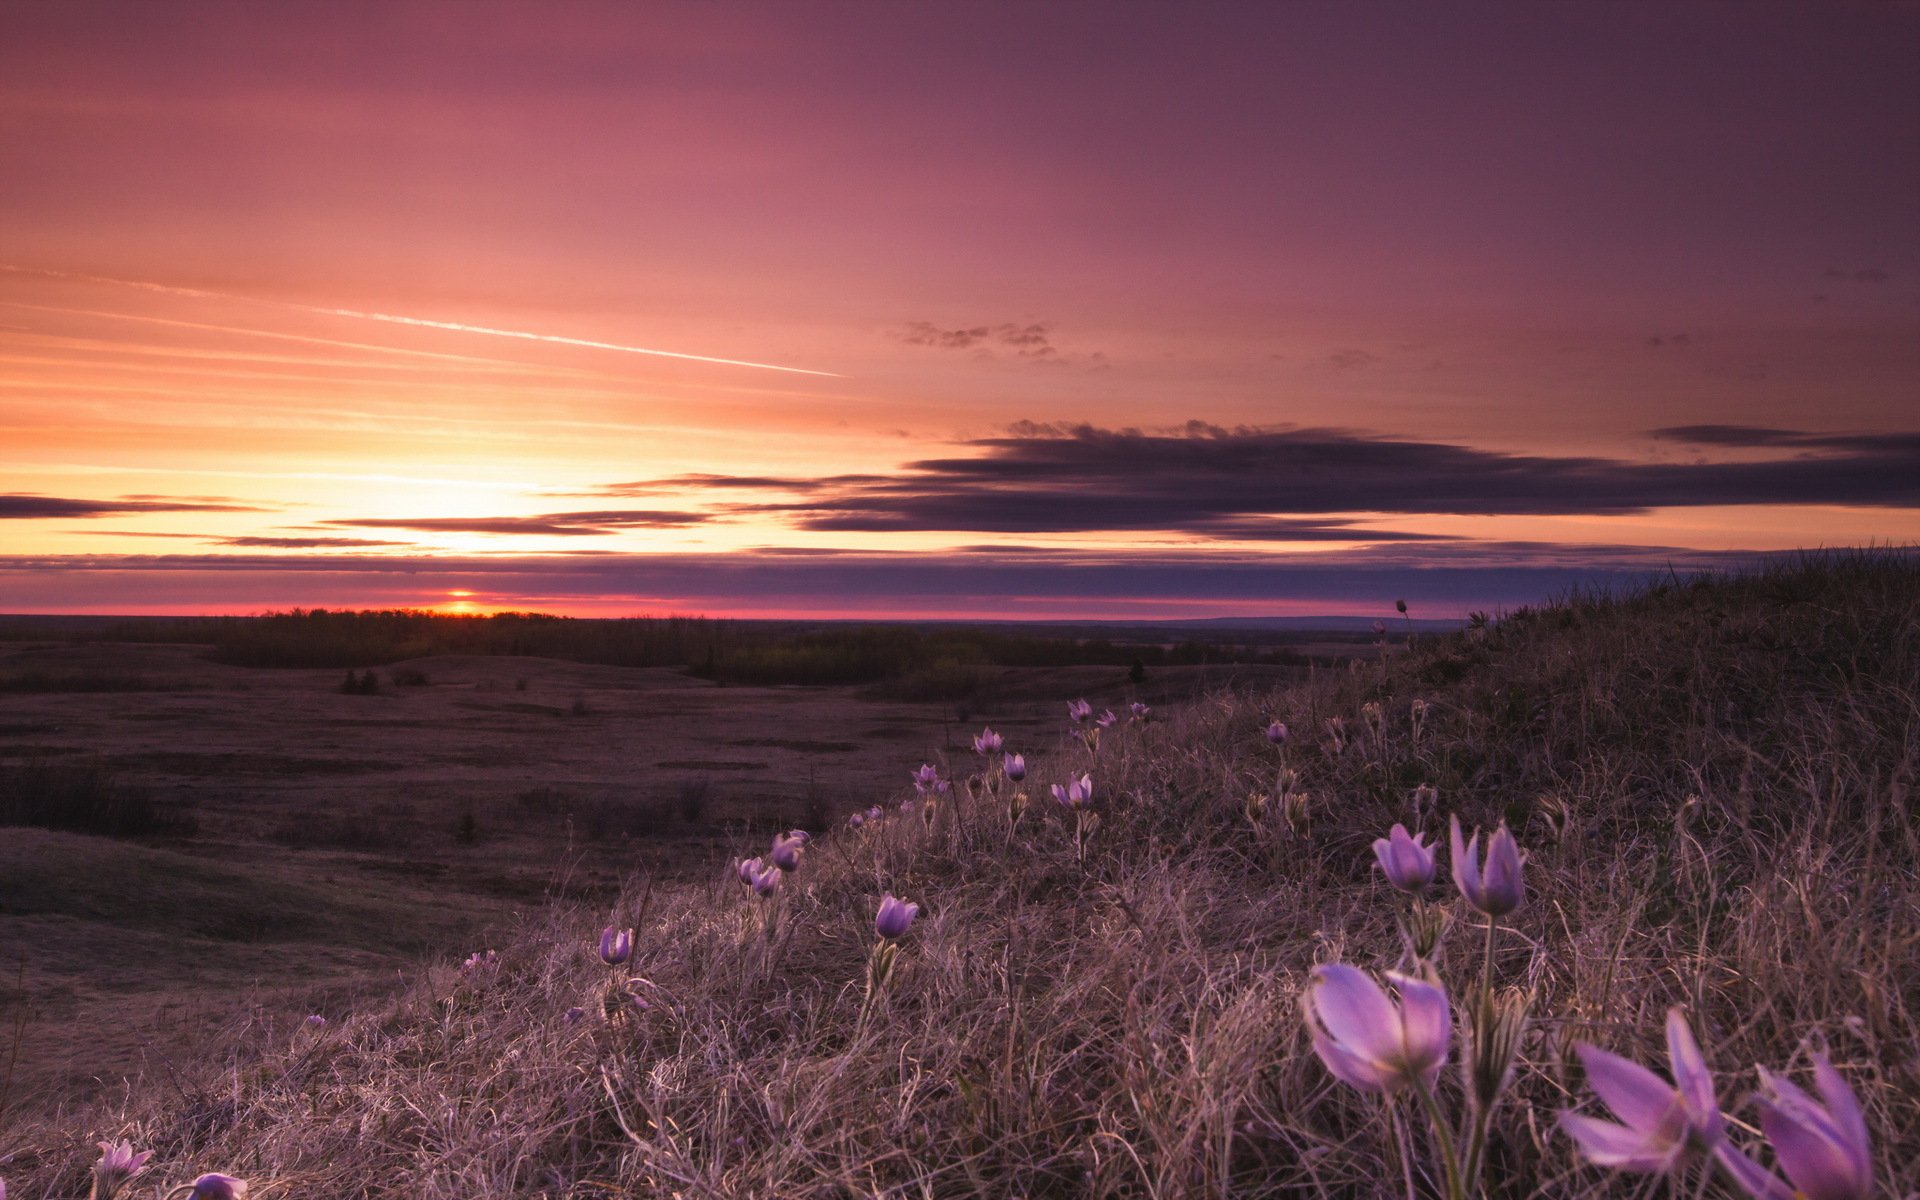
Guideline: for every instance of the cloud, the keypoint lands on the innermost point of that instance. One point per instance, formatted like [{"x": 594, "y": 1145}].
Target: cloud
[
  {"x": 306, "y": 543},
  {"x": 1350, "y": 358},
  {"x": 1043, "y": 478},
  {"x": 1030, "y": 340},
  {"x": 697, "y": 482},
  {"x": 567, "y": 524},
  {"x": 26, "y": 506}
]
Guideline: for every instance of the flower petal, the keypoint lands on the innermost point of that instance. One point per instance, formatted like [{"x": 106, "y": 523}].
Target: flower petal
[
  {"x": 1692, "y": 1076},
  {"x": 1609, "y": 1145},
  {"x": 1755, "y": 1180},
  {"x": 1425, "y": 1021},
  {"x": 1356, "y": 1012},
  {"x": 1845, "y": 1109},
  {"x": 1636, "y": 1095},
  {"x": 1819, "y": 1164},
  {"x": 1350, "y": 1068}
]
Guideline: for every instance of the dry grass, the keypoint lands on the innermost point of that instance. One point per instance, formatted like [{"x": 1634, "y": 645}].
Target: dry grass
[{"x": 1715, "y": 782}]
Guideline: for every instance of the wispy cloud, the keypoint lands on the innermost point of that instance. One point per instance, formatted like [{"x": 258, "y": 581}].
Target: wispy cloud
[
  {"x": 27, "y": 506},
  {"x": 417, "y": 322},
  {"x": 1026, "y": 339},
  {"x": 306, "y": 543},
  {"x": 567, "y": 524}
]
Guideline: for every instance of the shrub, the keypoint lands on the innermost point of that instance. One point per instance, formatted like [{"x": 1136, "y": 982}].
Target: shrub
[{"x": 84, "y": 797}]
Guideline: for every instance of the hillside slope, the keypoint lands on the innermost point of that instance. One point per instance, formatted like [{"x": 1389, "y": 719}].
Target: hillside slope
[{"x": 1714, "y": 783}]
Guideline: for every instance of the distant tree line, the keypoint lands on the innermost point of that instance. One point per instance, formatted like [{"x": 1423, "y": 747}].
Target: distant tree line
[{"x": 748, "y": 652}]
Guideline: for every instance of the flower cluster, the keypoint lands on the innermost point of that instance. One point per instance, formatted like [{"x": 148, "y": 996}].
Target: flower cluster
[
  {"x": 119, "y": 1162},
  {"x": 1660, "y": 1126}
]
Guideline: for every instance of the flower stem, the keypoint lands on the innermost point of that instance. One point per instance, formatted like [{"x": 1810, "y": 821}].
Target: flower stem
[
  {"x": 1483, "y": 1028},
  {"x": 1442, "y": 1136}
]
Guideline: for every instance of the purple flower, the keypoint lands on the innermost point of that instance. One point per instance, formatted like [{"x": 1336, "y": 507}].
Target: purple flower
[
  {"x": 214, "y": 1186},
  {"x": 1079, "y": 711},
  {"x": 616, "y": 945},
  {"x": 1277, "y": 732},
  {"x": 799, "y": 835},
  {"x": 856, "y": 820},
  {"x": 1500, "y": 888},
  {"x": 118, "y": 1164},
  {"x": 1015, "y": 765},
  {"x": 480, "y": 961},
  {"x": 987, "y": 742},
  {"x": 895, "y": 917},
  {"x": 765, "y": 880},
  {"x": 785, "y": 854},
  {"x": 1823, "y": 1148},
  {"x": 1379, "y": 627},
  {"x": 1106, "y": 720},
  {"x": 747, "y": 868},
  {"x": 1659, "y": 1122},
  {"x": 1138, "y": 710},
  {"x": 1076, "y": 795},
  {"x": 927, "y": 779},
  {"x": 316, "y": 1021},
  {"x": 875, "y": 813},
  {"x": 1407, "y": 860},
  {"x": 1369, "y": 1043}
]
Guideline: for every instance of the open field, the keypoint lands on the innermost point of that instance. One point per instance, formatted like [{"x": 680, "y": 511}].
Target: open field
[
  {"x": 1713, "y": 785},
  {"x": 310, "y": 842}
]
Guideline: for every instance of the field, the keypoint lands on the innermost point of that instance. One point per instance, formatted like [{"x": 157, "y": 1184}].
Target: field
[
  {"x": 296, "y": 841},
  {"x": 1713, "y": 783}
]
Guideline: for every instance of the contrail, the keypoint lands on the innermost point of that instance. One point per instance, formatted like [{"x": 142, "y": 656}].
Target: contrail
[{"x": 420, "y": 322}]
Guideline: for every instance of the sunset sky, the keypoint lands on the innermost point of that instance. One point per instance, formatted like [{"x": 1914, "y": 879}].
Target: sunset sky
[{"x": 893, "y": 309}]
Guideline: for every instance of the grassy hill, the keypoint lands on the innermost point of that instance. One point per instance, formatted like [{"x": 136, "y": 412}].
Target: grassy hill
[{"x": 1714, "y": 783}]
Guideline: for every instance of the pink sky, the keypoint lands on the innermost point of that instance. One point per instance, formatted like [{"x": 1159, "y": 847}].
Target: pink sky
[{"x": 1529, "y": 293}]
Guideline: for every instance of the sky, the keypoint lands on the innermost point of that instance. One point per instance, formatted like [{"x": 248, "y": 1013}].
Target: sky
[{"x": 867, "y": 310}]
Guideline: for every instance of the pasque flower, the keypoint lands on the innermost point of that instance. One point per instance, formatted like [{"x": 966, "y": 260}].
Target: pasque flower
[
  {"x": 214, "y": 1186},
  {"x": 1407, "y": 859},
  {"x": 765, "y": 880},
  {"x": 1277, "y": 732},
  {"x": 1369, "y": 1042},
  {"x": 927, "y": 779},
  {"x": 1823, "y": 1147},
  {"x": 1015, "y": 765},
  {"x": 117, "y": 1166},
  {"x": 616, "y": 945},
  {"x": 1140, "y": 711},
  {"x": 1076, "y": 795},
  {"x": 895, "y": 916},
  {"x": 1659, "y": 1122},
  {"x": 987, "y": 742},
  {"x": 1106, "y": 719},
  {"x": 1079, "y": 710},
  {"x": 785, "y": 854},
  {"x": 1499, "y": 888}
]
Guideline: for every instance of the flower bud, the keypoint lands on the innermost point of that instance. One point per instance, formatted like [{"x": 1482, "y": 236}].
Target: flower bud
[
  {"x": 1498, "y": 1029},
  {"x": 1499, "y": 888},
  {"x": 616, "y": 945},
  {"x": 895, "y": 917}
]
